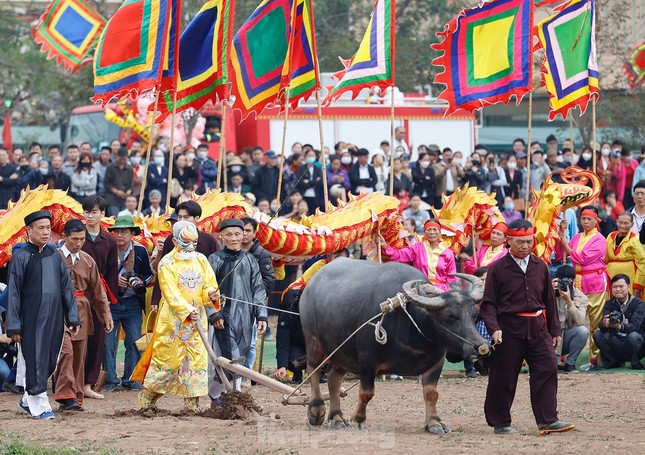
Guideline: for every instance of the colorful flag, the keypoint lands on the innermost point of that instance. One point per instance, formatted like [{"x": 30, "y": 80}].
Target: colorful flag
[
  {"x": 300, "y": 71},
  {"x": 635, "y": 67},
  {"x": 131, "y": 51},
  {"x": 487, "y": 55},
  {"x": 67, "y": 32},
  {"x": 258, "y": 56},
  {"x": 545, "y": 2},
  {"x": 171, "y": 63},
  {"x": 203, "y": 57},
  {"x": 569, "y": 68},
  {"x": 373, "y": 63}
]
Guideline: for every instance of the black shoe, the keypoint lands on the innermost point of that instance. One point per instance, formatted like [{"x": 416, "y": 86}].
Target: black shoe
[
  {"x": 556, "y": 427},
  {"x": 505, "y": 431},
  {"x": 13, "y": 388},
  {"x": 472, "y": 373},
  {"x": 70, "y": 405},
  {"x": 569, "y": 368},
  {"x": 637, "y": 366}
]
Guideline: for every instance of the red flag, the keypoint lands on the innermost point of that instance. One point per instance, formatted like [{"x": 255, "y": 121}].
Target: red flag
[{"x": 6, "y": 132}]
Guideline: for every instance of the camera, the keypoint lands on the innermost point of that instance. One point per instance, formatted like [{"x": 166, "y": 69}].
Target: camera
[
  {"x": 615, "y": 317},
  {"x": 563, "y": 285},
  {"x": 8, "y": 349},
  {"x": 133, "y": 282}
]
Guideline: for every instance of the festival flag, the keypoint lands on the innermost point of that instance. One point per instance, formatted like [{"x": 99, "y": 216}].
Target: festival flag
[
  {"x": 635, "y": 67},
  {"x": 258, "y": 55},
  {"x": 569, "y": 68},
  {"x": 131, "y": 50},
  {"x": 203, "y": 57},
  {"x": 545, "y": 2},
  {"x": 300, "y": 71},
  {"x": 67, "y": 32},
  {"x": 486, "y": 55},
  {"x": 171, "y": 63},
  {"x": 373, "y": 63}
]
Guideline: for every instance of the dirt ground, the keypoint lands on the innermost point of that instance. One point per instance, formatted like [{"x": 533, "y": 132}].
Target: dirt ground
[{"x": 607, "y": 409}]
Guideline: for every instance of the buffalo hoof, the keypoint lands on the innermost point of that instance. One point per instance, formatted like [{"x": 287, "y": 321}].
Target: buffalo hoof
[
  {"x": 436, "y": 428},
  {"x": 316, "y": 412},
  {"x": 338, "y": 425}
]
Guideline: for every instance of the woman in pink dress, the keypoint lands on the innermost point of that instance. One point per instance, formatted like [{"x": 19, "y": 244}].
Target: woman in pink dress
[
  {"x": 430, "y": 256},
  {"x": 490, "y": 253},
  {"x": 587, "y": 251}
]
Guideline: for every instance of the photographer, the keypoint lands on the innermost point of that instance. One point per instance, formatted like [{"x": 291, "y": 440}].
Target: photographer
[
  {"x": 134, "y": 275},
  {"x": 622, "y": 327},
  {"x": 572, "y": 309}
]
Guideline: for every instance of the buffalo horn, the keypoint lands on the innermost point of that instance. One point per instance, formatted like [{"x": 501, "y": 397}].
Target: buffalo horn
[
  {"x": 411, "y": 291},
  {"x": 478, "y": 285}
]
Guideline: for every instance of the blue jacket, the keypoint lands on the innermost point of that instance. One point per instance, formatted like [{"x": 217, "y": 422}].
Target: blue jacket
[
  {"x": 157, "y": 181},
  {"x": 209, "y": 174}
]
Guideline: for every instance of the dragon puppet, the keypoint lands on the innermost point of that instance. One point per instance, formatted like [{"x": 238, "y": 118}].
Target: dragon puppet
[
  {"x": 322, "y": 233},
  {"x": 580, "y": 187}
]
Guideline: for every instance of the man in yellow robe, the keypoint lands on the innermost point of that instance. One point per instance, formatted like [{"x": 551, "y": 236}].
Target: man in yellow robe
[
  {"x": 625, "y": 254},
  {"x": 176, "y": 360}
]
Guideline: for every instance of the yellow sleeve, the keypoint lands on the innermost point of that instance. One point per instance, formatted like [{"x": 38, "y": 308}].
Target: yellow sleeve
[
  {"x": 209, "y": 283},
  {"x": 638, "y": 255},
  {"x": 311, "y": 271},
  {"x": 170, "y": 291},
  {"x": 280, "y": 273}
]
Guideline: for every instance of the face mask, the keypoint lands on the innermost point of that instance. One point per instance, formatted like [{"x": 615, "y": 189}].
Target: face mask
[
  {"x": 44, "y": 171},
  {"x": 424, "y": 164},
  {"x": 512, "y": 165},
  {"x": 617, "y": 150},
  {"x": 629, "y": 158},
  {"x": 236, "y": 169},
  {"x": 190, "y": 156},
  {"x": 85, "y": 164},
  {"x": 456, "y": 161},
  {"x": 586, "y": 156},
  {"x": 273, "y": 207},
  {"x": 163, "y": 147},
  {"x": 346, "y": 160},
  {"x": 202, "y": 155},
  {"x": 310, "y": 160},
  {"x": 136, "y": 160},
  {"x": 158, "y": 160},
  {"x": 509, "y": 207},
  {"x": 605, "y": 152},
  {"x": 24, "y": 167}
]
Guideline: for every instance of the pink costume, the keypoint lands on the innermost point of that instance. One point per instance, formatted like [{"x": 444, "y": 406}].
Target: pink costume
[
  {"x": 620, "y": 173},
  {"x": 417, "y": 256},
  {"x": 591, "y": 270},
  {"x": 484, "y": 258}
]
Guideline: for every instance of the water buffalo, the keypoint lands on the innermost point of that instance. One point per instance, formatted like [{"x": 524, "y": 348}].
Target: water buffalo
[{"x": 345, "y": 293}]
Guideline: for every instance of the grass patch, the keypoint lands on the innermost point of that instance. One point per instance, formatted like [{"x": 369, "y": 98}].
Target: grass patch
[{"x": 12, "y": 445}]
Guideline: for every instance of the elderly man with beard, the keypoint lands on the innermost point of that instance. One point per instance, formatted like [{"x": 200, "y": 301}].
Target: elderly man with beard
[
  {"x": 520, "y": 312},
  {"x": 240, "y": 281},
  {"x": 41, "y": 304}
]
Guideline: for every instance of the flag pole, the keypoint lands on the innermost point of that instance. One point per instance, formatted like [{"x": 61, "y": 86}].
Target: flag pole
[
  {"x": 171, "y": 156},
  {"x": 323, "y": 160},
  {"x": 145, "y": 172},
  {"x": 392, "y": 141},
  {"x": 528, "y": 156},
  {"x": 593, "y": 130},
  {"x": 222, "y": 144},
  {"x": 284, "y": 142}
]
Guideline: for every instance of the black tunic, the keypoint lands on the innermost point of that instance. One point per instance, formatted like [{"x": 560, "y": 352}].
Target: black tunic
[{"x": 41, "y": 302}]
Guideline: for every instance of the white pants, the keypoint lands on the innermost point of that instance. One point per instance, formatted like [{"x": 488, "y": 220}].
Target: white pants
[
  {"x": 37, "y": 403},
  {"x": 216, "y": 388}
]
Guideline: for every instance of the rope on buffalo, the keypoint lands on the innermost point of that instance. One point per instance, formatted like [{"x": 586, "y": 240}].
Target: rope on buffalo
[{"x": 260, "y": 305}]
